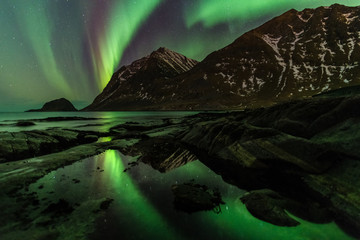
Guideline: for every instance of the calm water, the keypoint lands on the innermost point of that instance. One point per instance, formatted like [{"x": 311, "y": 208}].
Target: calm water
[
  {"x": 143, "y": 204},
  {"x": 103, "y": 123}
]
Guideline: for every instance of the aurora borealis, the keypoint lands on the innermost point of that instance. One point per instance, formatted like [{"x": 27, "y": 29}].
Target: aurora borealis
[{"x": 70, "y": 48}]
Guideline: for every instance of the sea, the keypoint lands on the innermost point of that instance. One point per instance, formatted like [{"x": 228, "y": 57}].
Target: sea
[{"x": 101, "y": 121}]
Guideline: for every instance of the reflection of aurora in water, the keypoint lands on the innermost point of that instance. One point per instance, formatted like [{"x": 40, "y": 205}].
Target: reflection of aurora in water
[
  {"x": 142, "y": 207},
  {"x": 137, "y": 209},
  {"x": 233, "y": 223}
]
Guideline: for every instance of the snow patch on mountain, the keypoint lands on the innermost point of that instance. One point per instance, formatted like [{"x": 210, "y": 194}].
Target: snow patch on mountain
[
  {"x": 300, "y": 16},
  {"x": 349, "y": 19},
  {"x": 272, "y": 42}
]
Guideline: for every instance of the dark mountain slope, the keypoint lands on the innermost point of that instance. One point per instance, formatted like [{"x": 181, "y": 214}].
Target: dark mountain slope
[
  {"x": 143, "y": 83},
  {"x": 297, "y": 54}
]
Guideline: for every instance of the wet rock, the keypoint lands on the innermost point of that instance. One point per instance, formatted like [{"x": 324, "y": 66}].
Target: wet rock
[
  {"x": 19, "y": 175},
  {"x": 24, "y": 124},
  {"x": 292, "y": 127},
  {"x": 177, "y": 159},
  {"x": 131, "y": 165},
  {"x": 346, "y": 109},
  {"x": 59, "y": 119},
  {"x": 76, "y": 180},
  {"x": 103, "y": 205},
  {"x": 131, "y": 135},
  {"x": 247, "y": 147},
  {"x": 190, "y": 197},
  {"x": 341, "y": 187},
  {"x": 130, "y": 122},
  {"x": 269, "y": 206},
  {"x": 21, "y": 145},
  {"x": 342, "y": 138},
  {"x": 62, "y": 207},
  {"x": 35, "y": 202},
  {"x": 90, "y": 125},
  {"x": 162, "y": 153},
  {"x": 306, "y": 151},
  {"x": 133, "y": 126},
  {"x": 106, "y": 203},
  {"x": 91, "y": 138},
  {"x": 272, "y": 207}
]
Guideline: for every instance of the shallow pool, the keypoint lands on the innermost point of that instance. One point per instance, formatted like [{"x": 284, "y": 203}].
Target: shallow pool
[{"x": 143, "y": 204}]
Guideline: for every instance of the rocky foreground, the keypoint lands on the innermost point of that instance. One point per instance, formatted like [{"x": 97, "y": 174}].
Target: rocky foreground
[{"x": 301, "y": 157}]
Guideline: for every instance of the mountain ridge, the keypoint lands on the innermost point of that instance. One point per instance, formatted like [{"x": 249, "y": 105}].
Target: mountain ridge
[{"x": 255, "y": 69}]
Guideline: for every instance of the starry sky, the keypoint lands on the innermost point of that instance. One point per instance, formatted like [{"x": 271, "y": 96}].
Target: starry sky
[{"x": 70, "y": 48}]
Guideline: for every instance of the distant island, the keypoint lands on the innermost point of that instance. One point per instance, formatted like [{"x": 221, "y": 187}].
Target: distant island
[{"x": 57, "y": 105}]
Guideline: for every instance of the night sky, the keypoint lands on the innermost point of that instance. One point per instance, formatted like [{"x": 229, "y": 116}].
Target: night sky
[{"x": 70, "y": 48}]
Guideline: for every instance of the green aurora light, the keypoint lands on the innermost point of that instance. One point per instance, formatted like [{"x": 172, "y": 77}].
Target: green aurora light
[
  {"x": 34, "y": 25},
  {"x": 207, "y": 11},
  {"x": 52, "y": 49},
  {"x": 124, "y": 19}
]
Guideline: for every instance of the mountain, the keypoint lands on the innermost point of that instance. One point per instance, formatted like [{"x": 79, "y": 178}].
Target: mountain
[
  {"x": 295, "y": 55},
  {"x": 144, "y": 83},
  {"x": 341, "y": 92},
  {"x": 58, "y": 105}
]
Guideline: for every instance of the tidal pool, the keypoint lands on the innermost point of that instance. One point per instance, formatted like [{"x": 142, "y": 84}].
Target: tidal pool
[{"x": 143, "y": 204}]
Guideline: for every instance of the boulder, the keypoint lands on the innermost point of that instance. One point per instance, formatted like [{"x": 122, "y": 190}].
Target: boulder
[
  {"x": 269, "y": 206},
  {"x": 273, "y": 207},
  {"x": 191, "y": 197},
  {"x": 24, "y": 124},
  {"x": 21, "y": 145}
]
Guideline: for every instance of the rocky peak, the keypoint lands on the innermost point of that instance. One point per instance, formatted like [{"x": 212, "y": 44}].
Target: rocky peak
[
  {"x": 163, "y": 60},
  {"x": 162, "y": 50},
  {"x": 132, "y": 81},
  {"x": 170, "y": 61}
]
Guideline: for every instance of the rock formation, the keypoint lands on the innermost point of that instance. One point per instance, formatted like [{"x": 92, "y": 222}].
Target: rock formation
[{"x": 58, "y": 105}]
